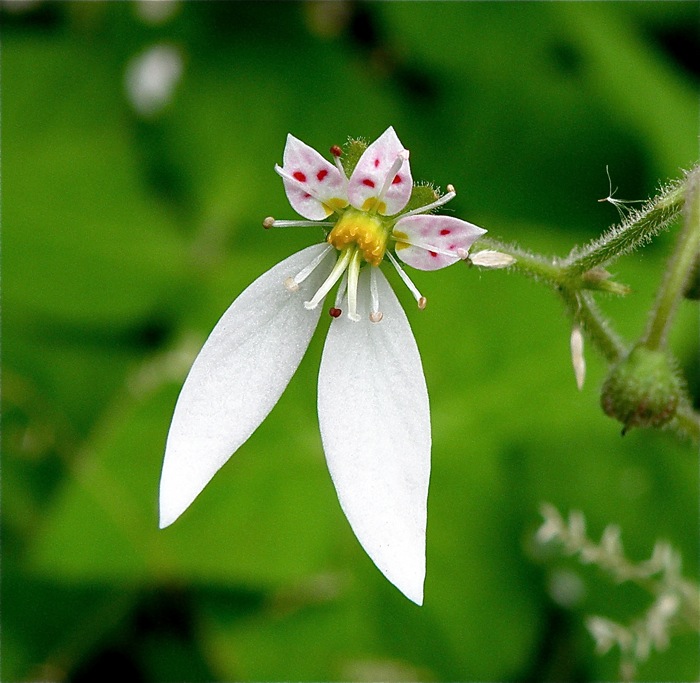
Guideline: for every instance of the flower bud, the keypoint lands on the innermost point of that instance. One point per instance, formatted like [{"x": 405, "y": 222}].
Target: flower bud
[{"x": 642, "y": 390}]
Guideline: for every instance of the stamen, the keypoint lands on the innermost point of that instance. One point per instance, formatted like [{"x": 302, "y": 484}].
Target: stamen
[
  {"x": 459, "y": 252},
  {"x": 420, "y": 299},
  {"x": 451, "y": 194},
  {"x": 389, "y": 179},
  {"x": 375, "y": 315},
  {"x": 340, "y": 294},
  {"x": 338, "y": 269},
  {"x": 353, "y": 277},
  {"x": 336, "y": 153},
  {"x": 292, "y": 283},
  {"x": 270, "y": 222}
]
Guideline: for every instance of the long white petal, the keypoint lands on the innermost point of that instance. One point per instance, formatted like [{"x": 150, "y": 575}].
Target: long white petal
[
  {"x": 375, "y": 425},
  {"x": 237, "y": 378}
]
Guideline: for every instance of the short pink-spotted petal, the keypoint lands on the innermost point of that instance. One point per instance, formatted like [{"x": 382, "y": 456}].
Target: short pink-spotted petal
[
  {"x": 318, "y": 187},
  {"x": 372, "y": 171},
  {"x": 446, "y": 235}
]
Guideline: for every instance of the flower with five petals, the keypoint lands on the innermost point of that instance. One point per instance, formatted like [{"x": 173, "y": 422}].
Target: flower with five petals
[{"x": 372, "y": 398}]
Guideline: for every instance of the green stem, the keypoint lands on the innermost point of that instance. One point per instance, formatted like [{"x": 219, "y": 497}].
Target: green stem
[
  {"x": 582, "y": 308},
  {"x": 679, "y": 269},
  {"x": 637, "y": 229},
  {"x": 687, "y": 422},
  {"x": 537, "y": 267}
]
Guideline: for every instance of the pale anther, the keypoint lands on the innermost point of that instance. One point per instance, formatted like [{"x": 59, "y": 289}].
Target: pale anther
[
  {"x": 291, "y": 285},
  {"x": 422, "y": 303},
  {"x": 268, "y": 222}
]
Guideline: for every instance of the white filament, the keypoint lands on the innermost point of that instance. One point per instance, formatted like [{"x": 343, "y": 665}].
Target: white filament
[
  {"x": 353, "y": 277},
  {"x": 395, "y": 168},
  {"x": 406, "y": 280},
  {"x": 451, "y": 194},
  {"x": 338, "y": 269},
  {"x": 375, "y": 314}
]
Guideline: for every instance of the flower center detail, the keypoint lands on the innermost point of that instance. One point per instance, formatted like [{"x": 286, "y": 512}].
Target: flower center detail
[{"x": 364, "y": 230}]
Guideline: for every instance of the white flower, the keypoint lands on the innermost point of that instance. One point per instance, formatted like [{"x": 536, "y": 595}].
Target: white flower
[
  {"x": 151, "y": 79},
  {"x": 372, "y": 398}
]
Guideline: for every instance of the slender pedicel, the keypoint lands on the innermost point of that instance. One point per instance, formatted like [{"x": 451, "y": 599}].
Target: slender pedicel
[
  {"x": 270, "y": 222},
  {"x": 420, "y": 299},
  {"x": 338, "y": 269},
  {"x": 449, "y": 196},
  {"x": 375, "y": 314},
  {"x": 292, "y": 283}
]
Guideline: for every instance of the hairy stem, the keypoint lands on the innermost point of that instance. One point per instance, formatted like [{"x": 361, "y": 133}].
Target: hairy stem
[
  {"x": 637, "y": 229},
  {"x": 680, "y": 268}
]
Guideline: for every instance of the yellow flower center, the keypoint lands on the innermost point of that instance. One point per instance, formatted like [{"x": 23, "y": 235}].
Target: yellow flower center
[{"x": 364, "y": 230}]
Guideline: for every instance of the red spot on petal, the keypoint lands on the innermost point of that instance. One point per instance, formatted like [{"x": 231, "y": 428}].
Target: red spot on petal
[
  {"x": 433, "y": 254},
  {"x": 452, "y": 247},
  {"x": 321, "y": 174},
  {"x": 376, "y": 163},
  {"x": 368, "y": 182},
  {"x": 306, "y": 195},
  {"x": 397, "y": 179},
  {"x": 298, "y": 175},
  {"x": 444, "y": 231}
]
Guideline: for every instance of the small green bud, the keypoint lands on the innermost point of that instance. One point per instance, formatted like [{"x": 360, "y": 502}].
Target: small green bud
[
  {"x": 642, "y": 390},
  {"x": 421, "y": 195},
  {"x": 353, "y": 149}
]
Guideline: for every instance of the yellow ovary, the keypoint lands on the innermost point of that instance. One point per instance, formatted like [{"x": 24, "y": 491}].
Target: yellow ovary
[{"x": 366, "y": 231}]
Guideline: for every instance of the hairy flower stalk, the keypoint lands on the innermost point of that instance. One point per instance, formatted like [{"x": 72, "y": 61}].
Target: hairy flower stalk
[{"x": 372, "y": 399}]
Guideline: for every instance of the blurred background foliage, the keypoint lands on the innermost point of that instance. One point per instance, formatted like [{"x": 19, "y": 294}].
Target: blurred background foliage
[{"x": 131, "y": 219}]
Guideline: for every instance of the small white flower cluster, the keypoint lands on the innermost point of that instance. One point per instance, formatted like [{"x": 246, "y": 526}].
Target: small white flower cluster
[{"x": 676, "y": 600}]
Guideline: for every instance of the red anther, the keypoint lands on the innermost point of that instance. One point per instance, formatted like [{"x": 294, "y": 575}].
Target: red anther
[
  {"x": 334, "y": 312},
  {"x": 336, "y": 151}
]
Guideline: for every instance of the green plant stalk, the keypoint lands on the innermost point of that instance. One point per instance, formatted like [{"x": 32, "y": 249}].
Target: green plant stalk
[
  {"x": 533, "y": 266},
  {"x": 679, "y": 269},
  {"x": 686, "y": 421},
  {"x": 583, "y": 308},
  {"x": 637, "y": 229}
]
